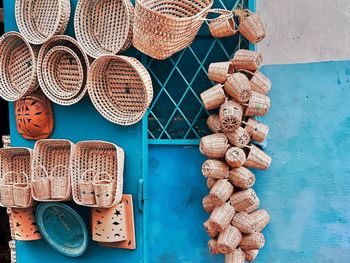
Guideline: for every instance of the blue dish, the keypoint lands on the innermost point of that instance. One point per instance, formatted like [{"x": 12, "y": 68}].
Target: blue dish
[{"x": 62, "y": 228}]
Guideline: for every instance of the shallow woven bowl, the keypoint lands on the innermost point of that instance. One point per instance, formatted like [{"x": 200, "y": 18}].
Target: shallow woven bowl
[
  {"x": 39, "y": 20},
  {"x": 104, "y": 26},
  {"x": 17, "y": 67},
  {"x": 65, "y": 81},
  {"x": 120, "y": 88}
]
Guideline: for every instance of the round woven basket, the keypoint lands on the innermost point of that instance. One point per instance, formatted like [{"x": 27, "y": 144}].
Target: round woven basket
[
  {"x": 120, "y": 88},
  {"x": 238, "y": 87},
  {"x": 250, "y": 25},
  {"x": 229, "y": 239},
  {"x": 104, "y": 26},
  {"x": 213, "y": 98},
  {"x": 103, "y": 188},
  {"x": 223, "y": 28},
  {"x": 230, "y": 115},
  {"x": 17, "y": 67},
  {"x": 41, "y": 19},
  {"x": 62, "y": 70}
]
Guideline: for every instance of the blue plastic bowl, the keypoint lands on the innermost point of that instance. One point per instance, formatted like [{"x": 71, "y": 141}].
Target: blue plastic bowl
[{"x": 62, "y": 228}]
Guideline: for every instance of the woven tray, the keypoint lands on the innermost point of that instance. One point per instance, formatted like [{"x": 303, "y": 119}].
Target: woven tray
[
  {"x": 120, "y": 88},
  {"x": 102, "y": 31},
  {"x": 62, "y": 70},
  {"x": 41, "y": 19},
  {"x": 17, "y": 67},
  {"x": 16, "y": 160},
  {"x": 100, "y": 157}
]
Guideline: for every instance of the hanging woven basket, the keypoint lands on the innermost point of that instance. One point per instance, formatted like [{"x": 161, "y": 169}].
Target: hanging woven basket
[
  {"x": 258, "y": 81},
  {"x": 103, "y": 189},
  {"x": 41, "y": 184},
  {"x": 250, "y": 25},
  {"x": 236, "y": 256},
  {"x": 240, "y": 137},
  {"x": 87, "y": 193},
  {"x": 220, "y": 192},
  {"x": 242, "y": 178},
  {"x": 22, "y": 192},
  {"x": 258, "y": 105},
  {"x": 17, "y": 67},
  {"x": 104, "y": 26},
  {"x": 214, "y": 145},
  {"x": 238, "y": 87},
  {"x": 230, "y": 115},
  {"x": 252, "y": 241},
  {"x": 215, "y": 168},
  {"x": 250, "y": 255},
  {"x": 62, "y": 70},
  {"x": 247, "y": 59},
  {"x": 213, "y": 123},
  {"x": 221, "y": 28},
  {"x": 257, "y": 130},
  {"x": 245, "y": 200},
  {"x": 235, "y": 157},
  {"x": 6, "y": 190},
  {"x": 120, "y": 88},
  {"x": 256, "y": 158},
  {"x": 60, "y": 182},
  {"x": 213, "y": 98},
  {"x": 244, "y": 222},
  {"x": 229, "y": 239},
  {"x": 40, "y": 20},
  {"x": 220, "y": 218},
  {"x": 220, "y": 71}
]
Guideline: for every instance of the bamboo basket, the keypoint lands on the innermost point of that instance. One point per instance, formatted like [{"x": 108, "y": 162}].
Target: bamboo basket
[
  {"x": 22, "y": 192},
  {"x": 62, "y": 70},
  {"x": 212, "y": 232},
  {"x": 238, "y": 87},
  {"x": 261, "y": 219},
  {"x": 87, "y": 193},
  {"x": 103, "y": 189},
  {"x": 247, "y": 59},
  {"x": 239, "y": 138},
  {"x": 250, "y": 255},
  {"x": 253, "y": 207},
  {"x": 213, "y": 248},
  {"x": 258, "y": 105},
  {"x": 257, "y": 130},
  {"x": 17, "y": 67},
  {"x": 236, "y": 256},
  {"x": 13, "y": 162},
  {"x": 244, "y": 222},
  {"x": 230, "y": 115},
  {"x": 163, "y": 28},
  {"x": 40, "y": 20},
  {"x": 214, "y": 145},
  {"x": 215, "y": 169},
  {"x": 213, "y": 98},
  {"x": 104, "y": 27},
  {"x": 244, "y": 200},
  {"x": 258, "y": 81},
  {"x": 51, "y": 170},
  {"x": 220, "y": 71},
  {"x": 221, "y": 217},
  {"x": 208, "y": 204},
  {"x": 256, "y": 158},
  {"x": 210, "y": 182},
  {"x": 252, "y": 241},
  {"x": 242, "y": 178},
  {"x": 250, "y": 26},
  {"x": 229, "y": 239},
  {"x": 213, "y": 123},
  {"x": 220, "y": 192},
  {"x": 223, "y": 28},
  {"x": 100, "y": 157},
  {"x": 235, "y": 157},
  {"x": 120, "y": 88}
]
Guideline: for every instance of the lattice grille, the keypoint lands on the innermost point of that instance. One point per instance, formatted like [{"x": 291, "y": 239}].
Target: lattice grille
[{"x": 177, "y": 114}]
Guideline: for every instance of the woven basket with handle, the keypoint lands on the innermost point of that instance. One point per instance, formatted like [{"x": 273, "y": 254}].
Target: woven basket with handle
[
  {"x": 247, "y": 59},
  {"x": 229, "y": 239},
  {"x": 87, "y": 193},
  {"x": 250, "y": 25},
  {"x": 22, "y": 192},
  {"x": 103, "y": 189},
  {"x": 219, "y": 71}
]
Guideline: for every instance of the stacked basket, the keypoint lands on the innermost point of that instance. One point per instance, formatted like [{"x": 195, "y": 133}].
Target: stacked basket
[{"x": 235, "y": 221}]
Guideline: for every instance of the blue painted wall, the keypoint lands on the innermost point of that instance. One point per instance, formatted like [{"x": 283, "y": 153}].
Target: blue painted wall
[{"x": 306, "y": 191}]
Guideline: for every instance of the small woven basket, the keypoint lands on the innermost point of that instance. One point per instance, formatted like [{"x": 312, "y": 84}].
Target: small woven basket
[
  {"x": 213, "y": 98},
  {"x": 219, "y": 71},
  {"x": 213, "y": 248},
  {"x": 207, "y": 204},
  {"x": 62, "y": 70},
  {"x": 104, "y": 27},
  {"x": 214, "y": 145},
  {"x": 250, "y": 26},
  {"x": 252, "y": 241},
  {"x": 41, "y": 185},
  {"x": 230, "y": 115},
  {"x": 103, "y": 189},
  {"x": 258, "y": 81},
  {"x": 244, "y": 222},
  {"x": 6, "y": 190},
  {"x": 120, "y": 88},
  {"x": 17, "y": 67},
  {"x": 235, "y": 157},
  {"x": 211, "y": 182},
  {"x": 240, "y": 137},
  {"x": 247, "y": 59},
  {"x": 236, "y": 256},
  {"x": 242, "y": 178},
  {"x": 229, "y": 239},
  {"x": 258, "y": 105},
  {"x": 256, "y": 158},
  {"x": 238, "y": 87},
  {"x": 260, "y": 218},
  {"x": 250, "y": 255},
  {"x": 87, "y": 193},
  {"x": 22, "y": 192},
  {"x": 215, "y": 169},
  {"x": 257, "y": 130},
  {"x": 220, "y": 192},
  {"x": 244, "y": 200},
  {"x": 213, "y": 123},
  {"x": 97, "y": 157},
  {"x": 223, "y": 28},
  {"x": 59, "y": 182},
  {"x": 40, "y": 20},
  {"x": 221, "y": 217},
  {"x": 213, "y": 233}
]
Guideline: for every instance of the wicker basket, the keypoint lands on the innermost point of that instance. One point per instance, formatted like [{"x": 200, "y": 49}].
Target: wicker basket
[
  {"x": 120, "y": 88},
  {"x": 22, "y": 192},
  {"x": 215, "y": 169},
  {"x": 103, "y": 189},
  {"x": 244, "y": 222},
  {"x": 256, "y": 158},
  {"x": 250, "y": 26},
  {"x": 229, "y": 239},
  {"x": 260, "y": 218},
  {"x": 244, "y": 200},
  {"x": 250, "y": 255},
  {"x": 17, "y": 67},
  {"x": 207, "y": 204},
  {"x": 87, "y": 193},
  {"x": 51, "y": 170},
  {"x": 213, "y": 98},
  {"x": 258, "y": 105},
  {"x": 238, "y": 87},
  {"x": 236, "y": 256},
  {"x": 162, "y": 28},
  {"x": 99, "y": 157},
  {"x": 230, "y": 115},
  {"x": 14, "y": 162},
  {"x": 104, "y": 27},
  {"x": 220, "y": 192},
  {"x": 213, "y": 123},
  {"x": 240, "y": 137},
  {"x": 242, "y": 178},
  {"x": 257, "y": 130},
  {"x": 258, "y": 81},
  {"x": 211, "y": 182},
  {"x": 62, "y": 70},
  {"x": 220, "y": 218},
  {"x": 247, "y": 59},
  {"x": 219, "y": 71},
  {"x": 40, "y": 20},
  {"x": 252, "y": 241},
  {"x": 223, "y": 28},
  {"x": 213, "y": 248},
  {"x": 235, "y": 157},
  {"x": 214, "y": 145}
]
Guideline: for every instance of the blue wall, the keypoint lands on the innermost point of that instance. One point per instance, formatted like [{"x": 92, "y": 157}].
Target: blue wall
[{"x": 306, "y": 190}]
